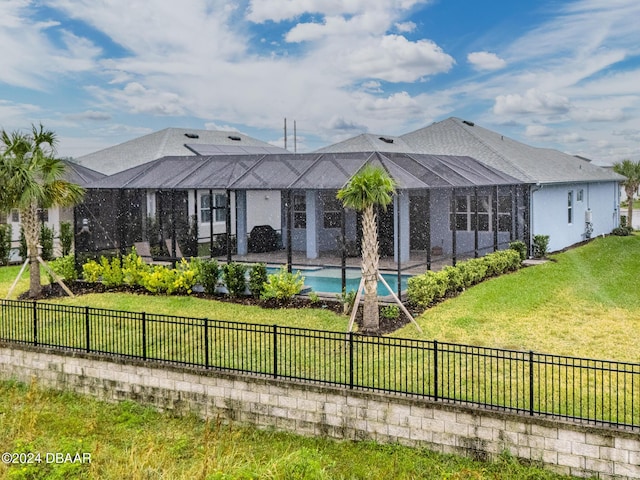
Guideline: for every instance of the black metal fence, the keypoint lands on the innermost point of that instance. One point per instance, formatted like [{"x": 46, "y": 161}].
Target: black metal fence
[{"x": 586, "y": 390}]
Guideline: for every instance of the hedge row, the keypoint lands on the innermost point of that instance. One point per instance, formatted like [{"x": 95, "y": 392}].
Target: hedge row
[
  {"x": 132, "y": 270},
  {"x": 430, "y": 287}
]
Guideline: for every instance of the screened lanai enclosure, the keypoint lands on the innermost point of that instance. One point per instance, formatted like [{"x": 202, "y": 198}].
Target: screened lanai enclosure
[{"x": 281, "y": 209}]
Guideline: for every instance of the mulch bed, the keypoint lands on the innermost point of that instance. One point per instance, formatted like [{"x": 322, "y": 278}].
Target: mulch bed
[{"x": 387, "y": 325}]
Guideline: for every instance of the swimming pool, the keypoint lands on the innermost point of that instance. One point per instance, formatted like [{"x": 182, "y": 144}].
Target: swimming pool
[{"x": 329, "y": 280}]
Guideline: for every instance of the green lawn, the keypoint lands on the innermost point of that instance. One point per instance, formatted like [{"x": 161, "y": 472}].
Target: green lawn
[
  {"x": 585, "y": 302},
  {"x": 128, "y": 441}
]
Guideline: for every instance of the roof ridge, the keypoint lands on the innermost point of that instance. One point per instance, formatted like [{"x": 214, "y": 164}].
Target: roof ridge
[{"x": 502, "y": 157}]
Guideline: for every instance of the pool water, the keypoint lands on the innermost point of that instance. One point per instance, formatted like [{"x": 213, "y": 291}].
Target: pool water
[{"x": 329, "y": 280}]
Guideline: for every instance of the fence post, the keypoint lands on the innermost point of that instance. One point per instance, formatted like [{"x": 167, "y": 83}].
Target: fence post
[
  {"x": 86, "y": 328},
  {"x": 144, "y": 335},
  {"x": 35, "y": 323},
  {"x": 206, "y": 342},
  {"x": 435, "y": 370},
  {"x": 275, "y": 351},
  {"x": 531, "y": 382},
  {"x": 351, "y": 359}
]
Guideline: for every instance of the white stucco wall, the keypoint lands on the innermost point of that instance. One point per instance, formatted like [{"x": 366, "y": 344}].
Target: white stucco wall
[
  {"x": 549, "y": 212},
  {"x": 263, "y": 208}
]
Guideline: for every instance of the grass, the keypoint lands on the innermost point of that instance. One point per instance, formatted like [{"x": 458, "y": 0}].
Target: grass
[
  {"x": 583, "y": 303},
  {"x": 562, "y": 307},
  {"x": 126, "y": 440}
]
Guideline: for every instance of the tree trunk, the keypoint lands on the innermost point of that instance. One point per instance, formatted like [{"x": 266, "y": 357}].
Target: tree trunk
[
  {"x": 370, "y": 316},
  {"x": 630, "y": 193},
  {"x": 31, "y": 235}
]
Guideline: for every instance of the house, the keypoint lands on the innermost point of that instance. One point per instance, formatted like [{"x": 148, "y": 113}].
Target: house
[
  {"x": 173, "y": 142},
  {"x": 51, "y": 217},
  {"x": 571, "y": 199},
  {"x": 212, "y": 205}
]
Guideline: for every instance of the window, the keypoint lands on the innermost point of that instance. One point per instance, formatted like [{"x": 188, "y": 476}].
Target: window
[
  {"x": 580, "y": 196},
  {"x": 299, "y": 211},
  {"x": 15, "y": 215},
  {"x": 332, "y": 211},
  {"x": 504, "y": 213},
  {"x": 216, "y": 203},
  {"x": 43, "y": 214},
  {"x": 465, "y": 212},
  {"x": 570, "y": 207}
]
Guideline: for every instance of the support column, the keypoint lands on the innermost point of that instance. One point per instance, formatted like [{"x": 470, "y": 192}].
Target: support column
[
  {"x": 311, "y": 202},
  {"x": 476, "y": 239},
  {"x": 454, "y": 228},
  {"x": 401, "y": 227},
  {"x": 241, "y": 222},
  {"x": 227, "y": 224},
  {"x": 495, "y": 218},
  {"x": 288, "y": 209},
  {"x": 343, "y": 249},
  {"x": 427, "y": 227}
]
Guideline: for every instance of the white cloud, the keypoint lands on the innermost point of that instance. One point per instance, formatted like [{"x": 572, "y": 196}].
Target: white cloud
[
  {"x": 405, "y": 27},
  {"x": 29, "y": 58},
  {"x": 537, "y": 131},
  {"x": 91, "y": 115},
  {"x": 396, "y": 59},
  {"x": 260, "y": 11},
  {"x": 533, "y": 101},
  {"x": 486, "y": 61}
]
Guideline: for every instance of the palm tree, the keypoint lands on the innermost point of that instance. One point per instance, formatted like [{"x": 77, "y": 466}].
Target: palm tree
[
  {"x": 631, "y": 170},
  {"x": 31, "y": 178},
  {"x": 369, "y": 187}
]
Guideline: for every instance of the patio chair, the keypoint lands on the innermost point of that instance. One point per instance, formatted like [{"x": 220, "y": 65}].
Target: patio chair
[
  {"x": 167, "y": 242},
  {"x": 143, "y": 249}
]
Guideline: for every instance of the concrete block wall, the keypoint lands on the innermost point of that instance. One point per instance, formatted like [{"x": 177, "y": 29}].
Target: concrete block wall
[{"x": 340, "y": 413}]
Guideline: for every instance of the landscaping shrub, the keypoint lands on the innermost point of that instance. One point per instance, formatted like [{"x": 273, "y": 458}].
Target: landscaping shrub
[
  {"x": 133, "y": 268},
  {"x": 283, "y": 285},
  {"x": 233, "y": 275},
  {"x": 622, "y": 231},
  {"x": 92, "y": 271},
  {"x": 184, "y": 278},
  {"x": 5, "y": 243},
  {"x": 520, "y": 247},
  {"x": 65, "y": 268},
  {"x": 257, "y": 279},
  {"x": 347, "y": 299},
  {"x": 157, "y": 279},
  {"x": 501, "y": 262},
  {"x": 111, "y": 272},
  {"x": 66, "y": 238},
  {"x": 46, "y": 240},
  {"x": 540, "y": 245},
  {"x": 208, "y": 274},
  {"x": 453, "y": 278},
  {"x": 390, "y": 312},
  {"x": 473, "y": 271},
  {"x": 426, "y": 289}
]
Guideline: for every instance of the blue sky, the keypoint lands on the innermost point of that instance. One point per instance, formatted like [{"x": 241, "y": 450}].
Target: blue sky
[{"x": 551, "y": 73}]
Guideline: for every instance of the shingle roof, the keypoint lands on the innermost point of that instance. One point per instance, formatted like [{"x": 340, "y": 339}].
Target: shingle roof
[
  {"x": 368, "y": 142},
  {"x": 330, "y": 171},
  {"x": 456, "y": 137},
  {"x": 171, "y": 142},
  {"x": 80, "y": 175}
]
